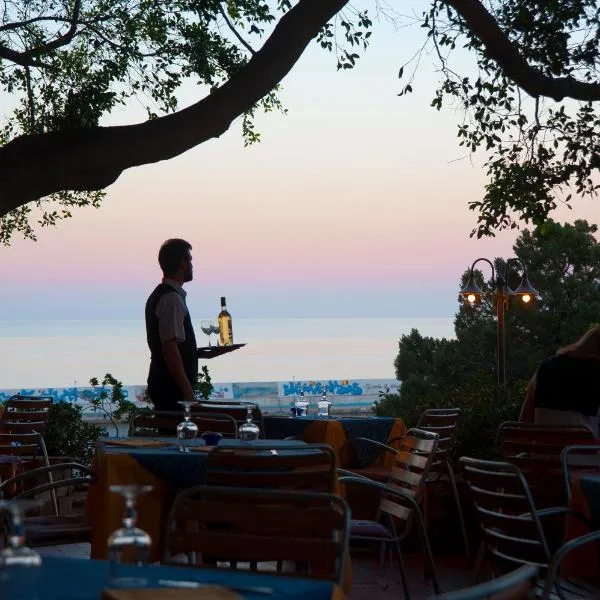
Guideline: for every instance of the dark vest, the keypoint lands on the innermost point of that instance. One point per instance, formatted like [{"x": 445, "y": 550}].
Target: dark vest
[{"x": 162, "y": 389}]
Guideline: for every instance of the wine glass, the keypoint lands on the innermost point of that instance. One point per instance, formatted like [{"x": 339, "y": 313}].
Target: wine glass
[
  {"x": 187, "y": 430},
  {"x": 248, "y": 430},
  {"x": 128, "y": 537},
  {"x": 207, "y": 328},
  {"x": 215, "y": 329},
  {"x": 19, "y": 565}
]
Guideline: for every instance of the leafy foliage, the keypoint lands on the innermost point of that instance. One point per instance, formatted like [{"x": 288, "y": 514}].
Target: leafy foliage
[
  {"x": 110, "y": 401},
  {"x": 564, "y": 264},
  {"x": 67, "y": 65},
  {"x": 540, "y": 150},
  {"x": 204, "y": 386},
  {"x": 67, "y": 434}
]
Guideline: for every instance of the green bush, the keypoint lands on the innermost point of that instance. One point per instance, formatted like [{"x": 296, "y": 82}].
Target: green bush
[
  {"x": 67, "y": 434},
  {"x": 484, "y": 407}
]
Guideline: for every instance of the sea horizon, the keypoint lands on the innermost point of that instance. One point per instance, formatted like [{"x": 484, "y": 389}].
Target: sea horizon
[{"x": 64, "y": 352}]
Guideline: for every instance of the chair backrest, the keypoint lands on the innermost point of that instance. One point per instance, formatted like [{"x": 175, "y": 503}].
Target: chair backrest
[
  {"x": 164, "y": 423},
  {"x": 579, "y": 459},
  {"x": 415, "y": 454},
  {"x": 504, "y": 507},
  {"x": 237, "y": 410},
  {"x": 444, "y": 422},
  {"x": 24, "y": 445},
  {"x": 25, "y": 414},
  {"x": 536, "y": 450},
  {"x": 514, "y": 585},
  {"x": 261, "y": 527},
  {"x": 302, "y": 467}
]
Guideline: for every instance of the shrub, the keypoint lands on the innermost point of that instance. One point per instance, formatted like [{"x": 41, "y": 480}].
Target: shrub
[
  {"x": 484, "y": 407},
  {"x": 67, "y": 434}
]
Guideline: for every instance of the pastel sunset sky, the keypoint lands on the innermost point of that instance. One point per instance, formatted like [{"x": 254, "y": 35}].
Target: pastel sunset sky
[{"x": 354, "y": 204}]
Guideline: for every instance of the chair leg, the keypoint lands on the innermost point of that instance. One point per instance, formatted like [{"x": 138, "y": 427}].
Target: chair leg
[
  {"x": 402, "y": 571},
  {"x": 427, "y": 548},
  {"x": 478, "y": 563},
  {"x": 382, "y": 572},
  {"x": 461, "y": 517}
]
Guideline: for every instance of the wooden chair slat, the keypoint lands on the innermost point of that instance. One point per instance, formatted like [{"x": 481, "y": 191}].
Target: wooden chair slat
[
  {"x": 418, "y": 461},
  {"x": 395, "y": 509},
  {"x": 426, "y": 445},
  {"x": 405, "y": 476}
]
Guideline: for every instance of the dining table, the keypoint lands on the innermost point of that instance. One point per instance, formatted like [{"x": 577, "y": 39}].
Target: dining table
[
  {"x": 583, "y": 562},
  {"x": 337, "y": 431},
  {"x": 65, "y": 578},
  {"x": 155, "y": 462}
]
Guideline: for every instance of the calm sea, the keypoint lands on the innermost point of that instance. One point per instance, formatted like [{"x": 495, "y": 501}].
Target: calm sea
[{"x": 65, "y": 353}]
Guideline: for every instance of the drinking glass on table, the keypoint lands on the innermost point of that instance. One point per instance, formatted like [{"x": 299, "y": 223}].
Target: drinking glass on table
[
  {"x": 128, "y": 544},
  {"x": 248, "y": 431},
  {"x": 187, "y": 430},
  {"x": 19, "y": 565}
]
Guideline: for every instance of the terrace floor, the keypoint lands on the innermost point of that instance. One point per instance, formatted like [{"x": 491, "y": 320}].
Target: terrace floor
[{"x": 452, "y": 571}]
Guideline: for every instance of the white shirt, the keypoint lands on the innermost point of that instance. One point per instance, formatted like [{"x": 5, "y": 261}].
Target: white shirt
[{"x": 171, "y": 311}]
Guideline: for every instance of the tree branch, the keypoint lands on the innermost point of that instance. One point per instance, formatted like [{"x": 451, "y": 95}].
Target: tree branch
[
  {"x": 506, "y": 54},
  {"x": 235, "y": 31},
  {"x": 28, "y": 58},
  {"x": 34, "y": 166}
]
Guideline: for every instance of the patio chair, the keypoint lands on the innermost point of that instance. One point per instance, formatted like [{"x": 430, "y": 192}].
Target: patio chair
[
  {"x": 307, "y": 467},
  {"x": 164, "y": 423},
  {"x": 536, "y": 450},
  {"x": 577, "y": 459},
  {"x": 514, "y": 585},
  {"x": 512, "y": 529},
  {"x": 50, "y": 530},
  {"x": 263, "y": 530},
  {"x": 444, "y": 422},
  {"x": 399, "y": 500}
]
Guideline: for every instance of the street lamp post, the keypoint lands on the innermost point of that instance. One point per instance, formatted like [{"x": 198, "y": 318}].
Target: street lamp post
[{"x": 526, "y": 292}]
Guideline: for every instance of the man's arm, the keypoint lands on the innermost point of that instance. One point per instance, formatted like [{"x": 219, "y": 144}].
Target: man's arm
[{"x": 175, "y": 366}]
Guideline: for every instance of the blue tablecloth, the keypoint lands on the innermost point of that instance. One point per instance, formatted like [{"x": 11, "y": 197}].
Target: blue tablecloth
[
  {"x": 80, "y": 579},
  {"x": 181, "y": 469},
  {"x": 318, "y": 429}
]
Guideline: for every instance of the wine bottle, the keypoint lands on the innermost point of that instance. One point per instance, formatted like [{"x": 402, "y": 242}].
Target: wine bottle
[{"x": 225, "y": 328}]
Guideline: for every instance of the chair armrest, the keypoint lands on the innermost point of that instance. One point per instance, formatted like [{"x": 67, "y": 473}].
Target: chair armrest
[
  {"x": 372, "y": 442},
  {"x": 42, "y": 470},
  {"x": 562, "y": 510},
  {"x": 346, "y": 473},
  {"x": 561, "y": 553},
  {"x": 382, "y": 487}
]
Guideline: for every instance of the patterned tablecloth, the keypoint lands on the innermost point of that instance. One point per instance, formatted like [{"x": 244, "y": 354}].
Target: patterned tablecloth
[
  {"x": 336, "y": 431},
  {"x": 585, "y": 498},
  {"x": 80, "y": 579},
  {"x": 166, "y": 469}
]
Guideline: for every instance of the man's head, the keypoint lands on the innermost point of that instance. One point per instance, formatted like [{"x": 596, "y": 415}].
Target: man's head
[{"x": 175, "y": 260}]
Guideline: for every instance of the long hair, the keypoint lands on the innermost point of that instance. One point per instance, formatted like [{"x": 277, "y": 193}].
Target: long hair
[{"x": 587, "y": 346}]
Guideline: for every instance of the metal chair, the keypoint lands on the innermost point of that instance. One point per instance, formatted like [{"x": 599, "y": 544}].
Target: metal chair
[
  {"x": 399, "y": 500},
  {"x": 53, "y": 529},
  {"x": 164, "y": 423},
  {"x": 514, "y": 585},
  {"x": 577, "y": 459},
  {"x": 536, "y": 450},
  {"x": 510, "y": 525},
  {"x": 261, "y": 528}
]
